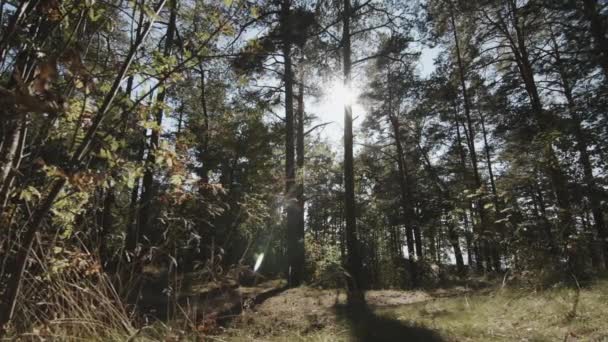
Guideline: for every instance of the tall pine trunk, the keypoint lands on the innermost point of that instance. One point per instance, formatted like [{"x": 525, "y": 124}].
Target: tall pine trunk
[
  {"x": 295, "y": 269},
  {"x": 299, "y": 234},
  {"x": 353, "y": 262}
]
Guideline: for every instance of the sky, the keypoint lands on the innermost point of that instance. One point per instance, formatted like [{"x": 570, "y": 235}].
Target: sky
[{"x": 330, "y": 107}]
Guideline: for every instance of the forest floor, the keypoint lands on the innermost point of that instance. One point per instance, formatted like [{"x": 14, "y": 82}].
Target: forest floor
[{"x": 458, "y": 314}]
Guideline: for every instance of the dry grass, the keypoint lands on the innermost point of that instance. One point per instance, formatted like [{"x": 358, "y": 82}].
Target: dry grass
[{"x": 66, "y": 297}]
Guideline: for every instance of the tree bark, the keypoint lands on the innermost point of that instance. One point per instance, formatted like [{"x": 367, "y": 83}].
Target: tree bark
[
  {"x": 148, "y": 188},
  {"x": 295, "y": 268},
  {"x": 477, "y": 232},
  {"x": 12, "y": 161},
  {"x": 455, "y": 242},
  {"x": 300, "y": 251},
  {"x": 205, "y": 142},
  {"x": 353, "y": 258}
]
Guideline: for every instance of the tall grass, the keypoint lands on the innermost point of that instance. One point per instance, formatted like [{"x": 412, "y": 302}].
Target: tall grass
[{"x": 65, "y": 296}]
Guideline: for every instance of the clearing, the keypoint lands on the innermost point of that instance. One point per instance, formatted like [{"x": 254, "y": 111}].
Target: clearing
[{"x": 459, "y": 314}]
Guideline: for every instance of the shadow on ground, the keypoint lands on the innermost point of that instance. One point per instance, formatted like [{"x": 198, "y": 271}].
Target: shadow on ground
[{"x": 367, "y": 326}]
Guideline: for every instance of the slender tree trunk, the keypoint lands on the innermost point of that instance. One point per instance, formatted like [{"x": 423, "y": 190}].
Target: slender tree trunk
[
  {"x": 295, "y": 269},
  {"x": 489, "y": 161},
  {"x": 205, "y": 142},
  {"x": 404, "y": 186},
  {"x": 499, "y": 227},
  {"x": 353, "y": 258},
  {"x": 476, "y": 230},
  {"x": 148, "y": 188},
  {"x": 300, "y": 251},
  {"x": 469, "y": 240},
  {"x": 484, "y": 224},
  {"x": 107, "y": 222},
  {"x": 539, "y": 198},
  {"x": 12, "y": 161},
  {"x": 455, "y": 242}
]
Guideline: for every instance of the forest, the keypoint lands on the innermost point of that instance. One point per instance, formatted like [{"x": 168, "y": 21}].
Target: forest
[{"x": 303, "y": 170}]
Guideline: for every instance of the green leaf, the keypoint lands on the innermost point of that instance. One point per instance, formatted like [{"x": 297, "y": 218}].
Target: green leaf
[
  {"x": 29, "y": 193},
  {"x": 176, "y": 180}
]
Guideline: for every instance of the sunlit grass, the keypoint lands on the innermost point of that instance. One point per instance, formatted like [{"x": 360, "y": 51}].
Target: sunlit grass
[
  {"x": 500, "y": 315},
  {"x": 509, "y": 315}
]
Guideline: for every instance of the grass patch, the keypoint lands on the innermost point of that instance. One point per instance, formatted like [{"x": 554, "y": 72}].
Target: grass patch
[
  {"x": 515, "y": 315},
  {"x": 500, "y": 315}
]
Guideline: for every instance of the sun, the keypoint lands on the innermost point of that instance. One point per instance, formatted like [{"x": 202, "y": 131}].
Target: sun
[
  {"x": 329, "y": 108},
  {"x": 340, "y": 94}
]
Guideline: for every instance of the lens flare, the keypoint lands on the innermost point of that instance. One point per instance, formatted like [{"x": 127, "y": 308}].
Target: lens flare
[{"x": 258, "y": 262}]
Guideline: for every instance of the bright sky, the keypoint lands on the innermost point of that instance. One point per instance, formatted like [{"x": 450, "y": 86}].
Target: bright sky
[{"x": 330, "y": 108}]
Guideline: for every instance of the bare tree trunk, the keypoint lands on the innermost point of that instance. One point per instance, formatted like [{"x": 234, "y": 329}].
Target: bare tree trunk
[
  {"x": 353, "y": 258},
  {"x": 107, "y": 222},
  {"x": 477, "y": 232},
  {"x": 205, "y": 147},
  {"x": 404, "y": 186},
  {"x": 295, "y": 268},
  {"x": 12, "y": 161},
  {"x": 148, "y": 188},
  {"x": 455, "y": 242},
  {"x": 300, "y": 251}
]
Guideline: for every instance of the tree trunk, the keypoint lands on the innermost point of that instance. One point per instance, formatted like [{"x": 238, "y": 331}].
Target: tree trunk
[
  {"x": 477, "y": 231},
  {"x": 299, "y": 234},
  {"x": 295, "y": 269},
  {"x": 353, "y": 258},
  {"x": 12, "y": 160},
  {"x": 205, "y": 142},
  {"x": 148, "y": 188},
  {"x": 455, "y": 242},
  {"x": 404, "y": 186},
  {"x": 484, "y": 224},
  {"x": 107, "y": 222}
]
